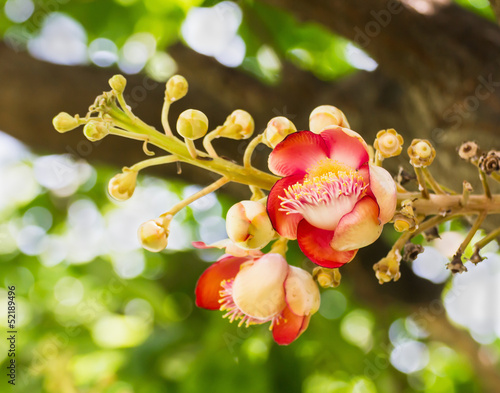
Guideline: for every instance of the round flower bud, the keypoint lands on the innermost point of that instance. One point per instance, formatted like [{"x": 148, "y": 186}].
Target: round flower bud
[
  {"x": 387, "y": 268},
  {"x": 248, "y": 225},
  {"x": 122, "y": 186},
  {"x": 490, "y": 162},
  {"x": 95, "y": 131},
  {"x": 421, "y": 153},
  {"x": 64, "y": 122},
  {"x": 176, "y": 88},
  {"x": 118, "y": 83},
  {"x": 388, "y": 143},
  {"x": 326, "y": 116},
  {"x": 153, "y": 235},
  {"x": 277, "y": 129},
  {"x": 469, "y": 150},
  {"x": 238, "y": 125},
  {"x": 192, "y": 124}
]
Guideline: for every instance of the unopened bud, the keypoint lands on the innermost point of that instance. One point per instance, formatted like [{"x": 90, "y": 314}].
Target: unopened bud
[
  {"x": 95, "y": 131},
  {"x": 118, "y": 83},
  {"x": 122, "y": 186},
  {"x": 238, "y": 125},
  {"x": 490, "y": 162},
  {"x": 403, "y": 223},
  {"x": 176, "y": 88},
  {"x": 248, "y": 225},
  {"x": 192, "y": 124},
  {"x": 327, "y": 278},
  {"x": 469, "y": 150},
  {"x": 421, "y": 153},
  {"x": 153, "y": 235},
  {"x": 387, "y": 268},
  {"x": 64, "y": 122},
  {"x": 326, "y": 116},
  {"x": 388, "y": 143},
  {"x": 277, "y": 129}
]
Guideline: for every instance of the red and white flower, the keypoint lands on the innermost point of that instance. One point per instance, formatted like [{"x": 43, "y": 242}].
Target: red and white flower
[
  {"x": 256, "y": 290},
  {"x": 330, "y": 198}
]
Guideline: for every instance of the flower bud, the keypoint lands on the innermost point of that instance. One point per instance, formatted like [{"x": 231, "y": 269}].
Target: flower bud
[
  {"x": 192, "y": 124},
  {"x": 95, "y": 131},
  {"x": 153, "y": 235},
  {"x": 421, "y": 153},
  {"x": 238, "y": 125},
  {"x": 387, "y": 268},
  {"x": 403, "y": 223},
  {"x": 64, "y": 122},
  {"x": 277, "y": 129},
  {"x": 327, "y": 278},
  {"x": 490, "y": 162},
  {"x": 248, "y": 225},
  {"x": 326, "y": 116},
  {"x": 469, "y": 150},
  {"x": 388, "y": 143},
  {"x": 176, "y": 88},
  {"x": 118, "y": 83},
  {"x": 122, "y": 186}
]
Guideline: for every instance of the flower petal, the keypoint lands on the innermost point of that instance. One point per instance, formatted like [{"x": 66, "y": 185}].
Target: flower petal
[
  {"x": 296, "y": 153},
  {"x": 384, "y": 189},
  {"x": 285, "y": 224},
  {"x": 358, "y": 228},
  {"x": 208, "y": 286},
  {"x": 346, "y": 146},
  {"x": 290, "y": 327},
  {"x": 315, "y": 244},
  {"x": 302, "y": 293}
]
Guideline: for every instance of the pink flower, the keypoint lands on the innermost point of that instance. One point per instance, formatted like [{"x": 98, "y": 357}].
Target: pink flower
[
  {"x": 330, "y": 198},
  {"x": 256, "y": 290}
]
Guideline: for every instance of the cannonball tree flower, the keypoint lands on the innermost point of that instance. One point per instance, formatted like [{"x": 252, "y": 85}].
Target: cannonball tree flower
[
  {"x": 331, "y": 199},
  {"x": 257, "y": 290}
]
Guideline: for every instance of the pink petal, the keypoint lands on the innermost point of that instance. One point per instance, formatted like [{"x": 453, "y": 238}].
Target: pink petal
[
  {"x": 384, "y": 189},
  {"x": 315, "y": 244},
  {"x": 358, "y": 228},
  {"x": 290, "y": 327},
  {"x": 346, "y": 146},
  {"x": 296, "y": 153},
  {"x": 285, "y": 224},
  {"x": 208, "y": 285}
]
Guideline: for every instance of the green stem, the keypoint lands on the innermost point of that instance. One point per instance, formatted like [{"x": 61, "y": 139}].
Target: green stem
[
  {"x": 496, "y": 176},
  {"x": 436, "y": 187},
  {"x": 484, "y": 181},
  {"x": 421, "y": 183},
  {"x": 247, "y": 157},
  {"x": 153, "y": 161},
  {"x": 487, "y": 239},
  {"x": 207, "y": 190},
  {"x": 234, "y": 172},
  {"x": 472, "y": 232},
  {"x": 207, "y": 142},
  {"x": 164, "y": 116}
]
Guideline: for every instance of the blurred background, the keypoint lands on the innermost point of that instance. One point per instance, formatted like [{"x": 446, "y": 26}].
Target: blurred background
[{"x": 96, "y": 313}]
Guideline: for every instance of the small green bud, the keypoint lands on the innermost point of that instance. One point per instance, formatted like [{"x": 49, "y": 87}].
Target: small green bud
[
  {"x": 95, "y": 131},
  {"x": 118, "y": 83},
  {"x": 64, "y": 122},
  {"x": 238, "y": 125},
  {"x": 176, "y": 88},
  {"x": 192, "y": 124}
]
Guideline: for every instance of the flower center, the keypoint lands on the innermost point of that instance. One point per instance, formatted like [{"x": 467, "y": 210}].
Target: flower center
[
  {"x": 234, "y": 313},
  {"x": 329, "y": 191}
]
